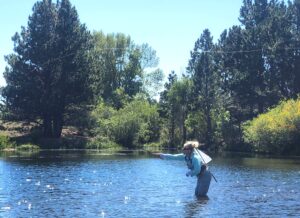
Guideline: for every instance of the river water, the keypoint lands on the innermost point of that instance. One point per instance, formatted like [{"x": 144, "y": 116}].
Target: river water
[{"x": 136, "y": 184}]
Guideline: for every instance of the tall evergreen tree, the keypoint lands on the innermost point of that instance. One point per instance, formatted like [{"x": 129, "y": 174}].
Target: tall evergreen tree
[
  {"x": 48, "y": 71},
  {"x": 179, "y": 99},
  {"x": 163, "y": 100},
  {"x": 202, "y": 68},
  {"x": 167, "y": 108},
  {"x": 294, "y": 10}
]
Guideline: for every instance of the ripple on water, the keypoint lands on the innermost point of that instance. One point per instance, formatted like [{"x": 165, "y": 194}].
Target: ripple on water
[
  {"x": 142, "y": 187},
  {"x": 126, "y": 199},
  {"x": 5, "y": 208},
  {"x": 102, "y": 213},
  {"x": 50, "y": 187}
]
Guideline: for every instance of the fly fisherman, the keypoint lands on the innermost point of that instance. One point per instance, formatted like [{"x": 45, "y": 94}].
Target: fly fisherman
[{"x": 196, "y": 162}]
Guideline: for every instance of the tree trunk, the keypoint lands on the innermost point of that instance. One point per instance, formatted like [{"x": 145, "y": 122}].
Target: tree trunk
[
  {"x": 183, "y": 126},
  {"x": 209, "y": 128},
  {"x": 47, "y": 125},
  {"x": 171, "y": 126},
  {"x": 57, "y": 126},
  {"x": 297, "y": 77}
]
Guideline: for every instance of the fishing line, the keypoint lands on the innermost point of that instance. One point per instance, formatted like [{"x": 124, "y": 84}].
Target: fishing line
[
  {"x": 209, "y": 52},
  {"x": 249, "y": 51}
]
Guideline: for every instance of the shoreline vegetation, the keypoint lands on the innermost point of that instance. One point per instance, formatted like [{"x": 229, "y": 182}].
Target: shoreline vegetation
[
  {"x": 274, "y": 132},
  {"x": 91, "y": 90},
  {"x": 24, "y": 136}
]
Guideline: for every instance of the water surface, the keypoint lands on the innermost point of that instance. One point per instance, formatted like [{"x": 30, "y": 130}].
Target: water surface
[{"x": 136, "y": 184}]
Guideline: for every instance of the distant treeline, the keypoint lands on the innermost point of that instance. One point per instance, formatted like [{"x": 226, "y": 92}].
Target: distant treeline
[{"x": 61, "y": 75}]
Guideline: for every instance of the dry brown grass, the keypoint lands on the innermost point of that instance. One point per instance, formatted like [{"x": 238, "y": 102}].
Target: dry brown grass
[
  {"x": 16, "y": 129},
  {"x": 19, "y": 129}
]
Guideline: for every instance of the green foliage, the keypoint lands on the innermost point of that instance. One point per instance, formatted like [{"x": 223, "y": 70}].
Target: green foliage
[
  {"x": 102, "y": 142},
  {"x": 250, "y": 69},
  {"x": 49, "y": 70},
  {"x": 78, "y": 116},
  {"x": 58, "y": 70},
  {"x": 196, "y": 125},
  {"x": 178, "y": 97},
  {"x": 102, "y": 115},
  {"x": 119, "y": 98},
  {"x": 203, "y": 71},
  {"x": 277, "y": 131},
  {"x": 152, "y": 83},
  {"x": 28, "y": 147},
  {"x": 120, "y": 64},
  {"x": 258, "y": 79},
  {"x": 154, "y": 147},
  {"x": 135, "y": 124},
  {"x": 6, "y": 142},
  {"x": 164, "y": 105}
]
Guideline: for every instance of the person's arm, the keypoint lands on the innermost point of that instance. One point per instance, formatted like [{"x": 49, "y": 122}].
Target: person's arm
[
  {"x": 172, "y": 156},
  {"x": 196, "y": 166}
]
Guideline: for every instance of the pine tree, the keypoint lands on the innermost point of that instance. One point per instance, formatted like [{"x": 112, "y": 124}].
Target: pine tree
[
  {"x": 202, "y": 68},
  {"x": 48, "y": 72}
]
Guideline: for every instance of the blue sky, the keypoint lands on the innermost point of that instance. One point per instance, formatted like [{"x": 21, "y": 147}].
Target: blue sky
[{"x": 170, "y": 27}]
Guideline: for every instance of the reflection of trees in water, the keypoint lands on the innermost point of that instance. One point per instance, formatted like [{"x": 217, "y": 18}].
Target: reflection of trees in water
[
  {"x": 254, "y": 162},
  {"x": 67, "y": 157},
  {"x": 44, "y": 157},
  {"x": 194, "y": 207}
]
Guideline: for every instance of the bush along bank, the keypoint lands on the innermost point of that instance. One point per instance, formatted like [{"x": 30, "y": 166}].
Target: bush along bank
[{"x": 277, "y": 131}]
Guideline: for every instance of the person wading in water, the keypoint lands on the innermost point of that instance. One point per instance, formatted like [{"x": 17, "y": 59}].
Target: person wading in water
[{"x": 196, "y": 164}]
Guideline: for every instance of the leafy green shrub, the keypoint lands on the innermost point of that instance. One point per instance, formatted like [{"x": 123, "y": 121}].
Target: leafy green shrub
[
  {"x": 102, "y": 115},
  {"x": 28, "y": 147},
  {"x": 277, "y": 131},
  {"x": 135, "y": 124},
  {"x": 164, "y": 136},
  {"x": 5, "y": 142},
  {"x": 102, "y": 143}
]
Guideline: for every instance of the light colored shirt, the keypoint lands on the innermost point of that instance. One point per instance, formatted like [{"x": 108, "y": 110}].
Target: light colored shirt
[{"x": 195, "y": 159}]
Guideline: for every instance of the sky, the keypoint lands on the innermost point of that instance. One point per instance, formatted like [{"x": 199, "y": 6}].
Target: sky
[{"x": 170, "y": 27}]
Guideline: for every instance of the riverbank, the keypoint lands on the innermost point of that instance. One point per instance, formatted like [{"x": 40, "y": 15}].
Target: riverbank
[{"x": 28, "y": 137}]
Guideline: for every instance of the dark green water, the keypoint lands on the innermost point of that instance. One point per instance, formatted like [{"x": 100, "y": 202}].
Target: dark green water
[{"x": 135, "y": 184}]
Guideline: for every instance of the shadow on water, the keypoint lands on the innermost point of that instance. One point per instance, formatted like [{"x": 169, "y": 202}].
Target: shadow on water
[
  {"x": 70, "y": 157},
  {"x": 255, "y": 161},
  {"x": 194, "y": 208},
  {"x": 226, "y": 159}
]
